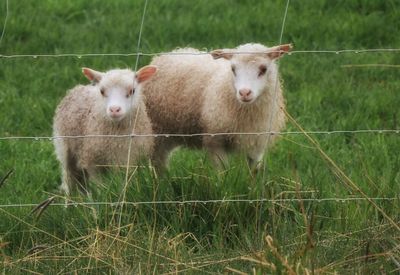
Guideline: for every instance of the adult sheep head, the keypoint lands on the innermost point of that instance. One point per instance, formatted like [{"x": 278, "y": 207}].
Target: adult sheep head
[{"x": 253, "y": 68}]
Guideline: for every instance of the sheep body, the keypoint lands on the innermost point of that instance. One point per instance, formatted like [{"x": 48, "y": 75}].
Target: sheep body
[
  {"x": 83, "y": 112},
  {"x": 194, "y": 93}
]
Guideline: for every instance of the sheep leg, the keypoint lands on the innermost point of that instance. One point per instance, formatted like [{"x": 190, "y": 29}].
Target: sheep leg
[
  {"x": 72, "y": 176},
  {"x": 219, "y": 157},
  {"x": 94, "y": 176},
  {"x": 91, "y": 173},
  {"x": 216, "y": 152},
  {"x": 66, "y": 162},
  {"x": 161, "y": 155},
  {"x": 255, "y": 162},
  {"x": 81, "y": 177},
  {"x": 66, "y": 185}
]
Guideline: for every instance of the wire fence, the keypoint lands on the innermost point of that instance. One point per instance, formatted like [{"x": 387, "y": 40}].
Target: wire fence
[
  {"x": 361, "y": 131},
  {"x": 293, "y": 200},
  {"x": 202, "y": 202},
  {"x": 166, "y": 135},
  {"x": 82, "y": 55}
]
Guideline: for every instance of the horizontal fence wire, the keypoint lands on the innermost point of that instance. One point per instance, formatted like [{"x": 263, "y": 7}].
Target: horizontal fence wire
[
  {"x": 81, "y": 55},
  {"x": 217, "y": 201},
  {"x": 361, "y": 131}
]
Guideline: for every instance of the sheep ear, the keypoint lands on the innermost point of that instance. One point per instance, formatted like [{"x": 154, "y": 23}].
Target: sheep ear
[
  {"x": 92, "y": 75},
  {"x": 216, "y": 54},
  {"x": 145, "y": 73},
  {"x": 278, "y": 51}
]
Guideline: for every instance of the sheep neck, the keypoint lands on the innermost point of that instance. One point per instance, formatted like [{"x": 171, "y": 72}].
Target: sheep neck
[{"x": 255, "y": 116}]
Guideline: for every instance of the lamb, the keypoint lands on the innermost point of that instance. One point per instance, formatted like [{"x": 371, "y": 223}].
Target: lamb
[
  {"x": 112, "y": 105},
  {"x": 228, "y": 91}
]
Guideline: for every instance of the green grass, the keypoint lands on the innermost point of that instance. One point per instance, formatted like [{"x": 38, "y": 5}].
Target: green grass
[{"x": 346, "y": 237}]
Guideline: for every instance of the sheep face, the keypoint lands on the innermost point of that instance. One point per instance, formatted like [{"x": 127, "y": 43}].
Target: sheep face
[
  {"x": 250, "y": 78},
  {"x": 253, "y": 68},
  {"x": 119, "y": 89}
]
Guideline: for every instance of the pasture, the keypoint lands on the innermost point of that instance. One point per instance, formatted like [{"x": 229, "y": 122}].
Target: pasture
[{"x": 307, "y": 210}]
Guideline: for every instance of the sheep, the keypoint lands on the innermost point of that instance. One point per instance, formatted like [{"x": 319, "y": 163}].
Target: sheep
[
  {"x": 226, "y": 91},
  {"x": 111, "y": 105}
]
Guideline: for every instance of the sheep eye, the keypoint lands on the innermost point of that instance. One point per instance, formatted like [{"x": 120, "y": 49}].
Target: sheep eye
[
  {"x": 131, "y": 92},
  {"x": 262, "y": 70},
  {"x": 233, "y": 70},
  {"x": 102, "y": 92}
]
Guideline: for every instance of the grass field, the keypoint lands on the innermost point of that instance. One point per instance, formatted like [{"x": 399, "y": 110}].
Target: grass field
[{"x": 294, "y": 235}]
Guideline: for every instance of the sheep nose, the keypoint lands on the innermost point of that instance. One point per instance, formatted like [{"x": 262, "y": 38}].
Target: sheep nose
[
  {"x": 115, "y": 110},
  {"x": 244, "y": 92}
]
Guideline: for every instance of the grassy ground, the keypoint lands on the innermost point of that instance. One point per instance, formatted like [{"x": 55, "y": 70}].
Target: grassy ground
[{"x": 318, "y": 235}]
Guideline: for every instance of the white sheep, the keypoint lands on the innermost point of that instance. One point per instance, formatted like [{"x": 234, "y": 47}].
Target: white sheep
[
  {"x": 228, "y": 91},
  {"x": 112, "y": 105}
]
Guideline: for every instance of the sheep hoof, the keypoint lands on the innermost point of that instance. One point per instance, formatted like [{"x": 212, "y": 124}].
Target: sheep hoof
[{"x": 255, "y": 167}]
